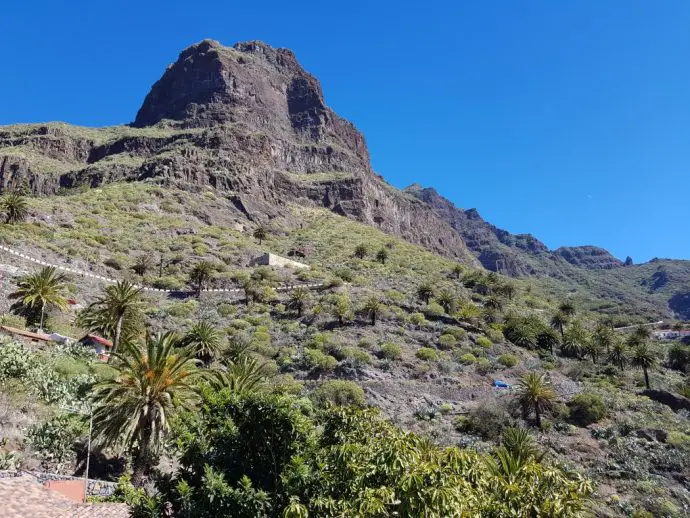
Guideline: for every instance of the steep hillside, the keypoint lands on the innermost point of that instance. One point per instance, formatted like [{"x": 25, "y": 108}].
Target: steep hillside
[
  {"x": 247, "y": 121},
  {"x": 588, "y": 274}
]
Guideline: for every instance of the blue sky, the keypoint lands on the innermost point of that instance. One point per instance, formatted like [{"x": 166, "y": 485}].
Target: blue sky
[{"x": 568, "y": 119}]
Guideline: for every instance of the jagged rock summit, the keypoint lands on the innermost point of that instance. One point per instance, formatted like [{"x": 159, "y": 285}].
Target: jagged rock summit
[
  {"x": 511, "y": 254},
  {"x": 246, "y": 120},
  {"x": 251, "y": 84}
]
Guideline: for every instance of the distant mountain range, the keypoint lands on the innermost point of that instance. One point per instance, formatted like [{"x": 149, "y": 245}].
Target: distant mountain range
[{"x": 250, "y": 122}]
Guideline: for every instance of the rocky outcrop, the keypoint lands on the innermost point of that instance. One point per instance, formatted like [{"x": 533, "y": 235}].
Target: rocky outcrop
[
  {"x": 590, "y": 257},
  {"x": 246, "y": 120}
]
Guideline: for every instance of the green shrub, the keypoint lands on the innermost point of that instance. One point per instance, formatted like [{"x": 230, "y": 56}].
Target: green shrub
[
  {"x": 445, "y": 408},
  {"x": 679, "y": 440},
  {"x": 390, "y": 351},
  {"x": 54, "y": 439},
  {"x": 467, "y": 359},
  {"x": 434, "y": 309},
  {"x": 483, "y": 341},
  {"x": 586, "y": 409},
  {"x": 427, "y": 354},
  {"x": 315, "y": 359},
  {"x": 226, "y": 310},
  {"x": 338, "y": 392},
  {"x": 447, "y": 341},
  {"x": 168, "y": 282},
  {"x": 483, "y": 366},
  {"x": 15, "y": 361},
  {"x": 458, "y": 332},
  {"x": 183, "y": 309},
  {"x": 357, "y": 356},
  {"x": 417, "y": 319},
  {"x": 509, "y": 360}
]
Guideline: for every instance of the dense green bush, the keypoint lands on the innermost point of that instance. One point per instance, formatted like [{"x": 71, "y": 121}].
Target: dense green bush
[
  {"x": 273, "y": 457},
  {"x": 509, "y": 360},
  {"x": 586, "y": 409},
  {"x": 427, "y": 354},
  {"x": 447, "y": 341},
  {"x": 54, "y": 439},
  {"x": 434, "y": 309},
  {"x": 483, "y": 341},
  {"x": 390, "y": 351},
  {"x": 338, "y": 392},
  {"x": 679, "y": 357},
  {"x": 315, "y": 359},
  {"x": 467, "y": 359}
]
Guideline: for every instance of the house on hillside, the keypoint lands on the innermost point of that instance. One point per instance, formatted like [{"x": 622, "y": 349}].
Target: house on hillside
[
  {"x": 26, "y": 337},
  {"x": 276, "y": 260},
  {"x": 99, "y": 344},
  {"x": 671, "y": 334}
]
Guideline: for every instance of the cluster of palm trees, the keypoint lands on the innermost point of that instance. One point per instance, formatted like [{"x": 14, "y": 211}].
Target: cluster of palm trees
[
  {"x": 14, "y": 207},
  {"x": 362, "y": 251}
]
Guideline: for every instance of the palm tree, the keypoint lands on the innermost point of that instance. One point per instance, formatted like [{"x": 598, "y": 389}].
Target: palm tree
[
  {"x": 494, "y": 303},
  {"x": 341, "y": 307},
  {"x": 373, "y": 307},
  {"x": 603, "y": 337},
  {"x": 260, "y": 233},
  {"x": 593, "y": 348},
  {"x": 205, "y": 340},
  {"x": 299, "y": 298},
  {"x": 447, "y": 301},
  {"x": 617, "y": 354},
  {"x": 15, "y": 207},
  {"x": 382, "y": 255},
  {"x": 644, "y": 358},
  {"x": 245, "y": 374},
  {"x": 200, "y": 274},
  {"x": 361, "y": 251},
  {"x": 547, "y": 339},
  {"x": 457, "y": 270},
  {"x": 153, "y": 383},
  {"x": 559, "y": 321},
  {"x": 143, "y": 264},
  {"x": 119, "y": 308},
  {"x": 425, "y": 291},
  {"x": 567, "y": 309},
  {"x": 536, "y": 395},
  {"x": 575, "y": 341},
  {"x": 40, "y": 290},
  {"x": 507, "y": 290}
]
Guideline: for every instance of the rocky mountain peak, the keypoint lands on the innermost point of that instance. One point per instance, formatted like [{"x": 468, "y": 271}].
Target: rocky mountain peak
[{"x": 252, "y": 85}]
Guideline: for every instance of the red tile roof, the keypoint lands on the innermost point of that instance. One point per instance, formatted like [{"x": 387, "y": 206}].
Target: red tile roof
[
  {"x": 24, "y": 497},
  {"x": 97, "y": 339}
]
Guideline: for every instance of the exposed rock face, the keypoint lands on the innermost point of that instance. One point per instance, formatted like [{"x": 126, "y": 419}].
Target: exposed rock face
[
  {"x": 591, "y": 257},
  {"x": 247, "y": 121},
  {"x": 511, "y": 254}
]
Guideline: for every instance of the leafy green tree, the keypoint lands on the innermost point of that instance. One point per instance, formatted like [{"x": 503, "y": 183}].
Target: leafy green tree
[
  {"x": 201, "y": 273},
  {"x": 39, "y": 291},
  {"x": 507, "y": 290},
  {"x": 299, "y": 298},
  {"x": 447, "y": 301},
  {"x": 373, "y": 307},
  {"x": 523, "y": 331},
  {"x": 118, "y": 310},
  {"x": 15, "y": 207},
  {"x": 382, "y": 256},
  {"x": 361, "y": 251},
  {"x": 643, "y": 357},
  {"x": 274, "y": 457},
  {"x": 618, "y": 354},
  {"x": 205, "y": 340},
  {"x": 425, "y": 291},
  {"x": 133, "y": 409},
  {"x": 535, "y": 395},
  {"x": 260, "y": 233}
]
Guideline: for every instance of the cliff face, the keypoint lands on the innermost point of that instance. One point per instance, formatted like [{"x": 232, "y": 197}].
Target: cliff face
[
  {"x": 511, "y": 254},
  {"x": 248, "y": 121}
]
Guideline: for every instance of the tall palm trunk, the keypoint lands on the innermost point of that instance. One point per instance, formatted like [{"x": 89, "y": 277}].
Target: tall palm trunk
[
  {"x": 43, "y": 313},
  {"x": 537, "y": 416},
  {"x": 142, "y": 461},
  {"x": 373, "y": 318},
  {"x": 117, "y": 336},
  {"x": 646, "y": 377}
]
